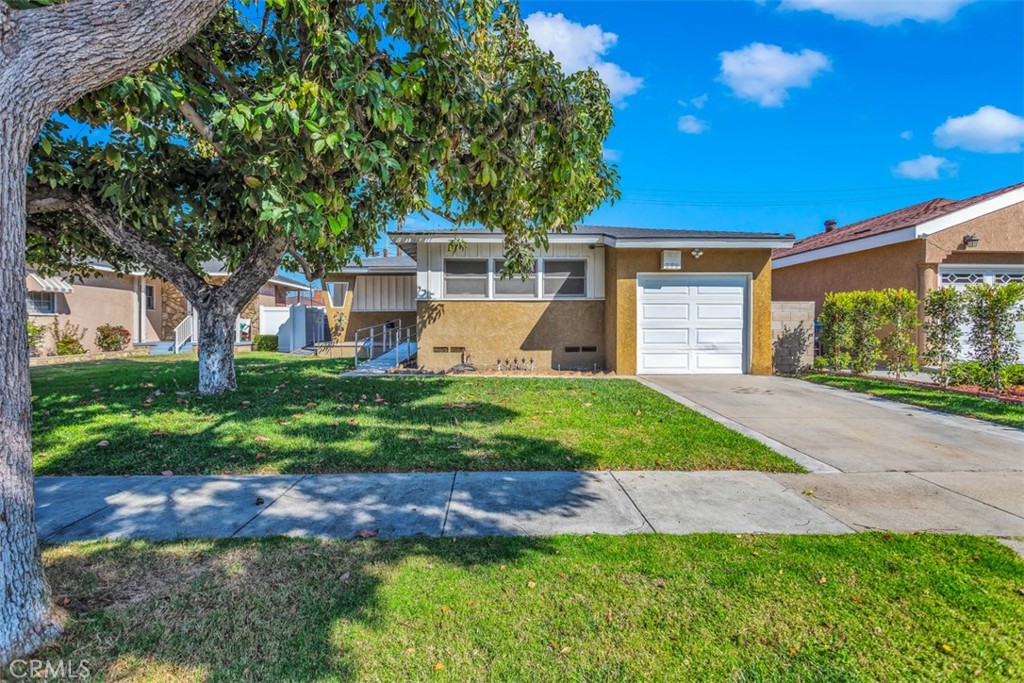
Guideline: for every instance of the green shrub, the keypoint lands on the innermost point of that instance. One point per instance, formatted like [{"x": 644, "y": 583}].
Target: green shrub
[
  {"x": 866, "y": 309},
  {"x": 67, "y": 339},
  {"x": 945, "y": 316},
  {"x": 967, "y": 373},
  {"x": 36, "y": 332},
  {"x": 836, "y": 329},
  {"x": 1013, "y": 375},
  {"x": 994, "y": 311},
  {"x": 264, "y": 342},
  {"x": 112, "y": 337},
  {"x": 899, "y": 312}
]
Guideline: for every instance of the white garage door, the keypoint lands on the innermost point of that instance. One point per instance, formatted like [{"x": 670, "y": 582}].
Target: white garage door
[
  {"x": 691, "y": 324},
  {"x": 959, "y": 277}
]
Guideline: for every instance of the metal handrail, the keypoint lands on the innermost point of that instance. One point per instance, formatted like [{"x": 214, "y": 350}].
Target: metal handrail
[
  {"x": 391, "y": 334},
  {"x": 183, "y": 333}
]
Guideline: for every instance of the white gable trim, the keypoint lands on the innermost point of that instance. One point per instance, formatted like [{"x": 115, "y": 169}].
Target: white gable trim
[
  {"x": 969, "y": 213},
  {"x": 950, "y": 220}
]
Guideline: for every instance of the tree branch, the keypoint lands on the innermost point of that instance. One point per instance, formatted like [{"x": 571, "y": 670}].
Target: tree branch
[
  {"x": 204, "y": 130},
  {"x": 307, "y": 270},
  {"x": 208, "y": 65},
  {"x": 258, "y": 266}
]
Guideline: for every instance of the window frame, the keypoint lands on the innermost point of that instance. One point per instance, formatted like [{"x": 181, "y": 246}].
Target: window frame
[
  {"x": 496, "y": 275},
  {"x": 149, "y": 292},
  {"x": 486, "y": 278},
  {"x": 51, "y": 297},
  {"x": 584, "y": 278}
]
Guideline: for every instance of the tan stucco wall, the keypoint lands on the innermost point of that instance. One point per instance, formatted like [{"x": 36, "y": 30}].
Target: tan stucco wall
[
  {"x": 891, "y": 266},
  {"x": 621, "y": 268},
  {"x": 493, "y": 330},
  {"x": 106, "y": 300},
  {"x": 999, "y": 231}
]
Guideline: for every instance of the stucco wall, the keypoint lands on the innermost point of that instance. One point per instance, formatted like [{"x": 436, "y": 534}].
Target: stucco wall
[
  {"x": 493, "y": 330},
  {"x": 622, "y": 266},
  {"x": 891, "y": 266},
  {"x": 106, "y": 300}
]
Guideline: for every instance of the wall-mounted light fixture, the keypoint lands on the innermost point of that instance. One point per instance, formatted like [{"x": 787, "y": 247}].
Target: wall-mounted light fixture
[
  {"x": 696, "y": 253},
  {"x": 971, "y": 241}
]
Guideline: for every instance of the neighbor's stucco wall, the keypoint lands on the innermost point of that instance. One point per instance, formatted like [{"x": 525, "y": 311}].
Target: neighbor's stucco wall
[
  {"x": 622, "y": 267},
  {"x": 495, "y": 330},
  {"x": 890, "y": 266}
]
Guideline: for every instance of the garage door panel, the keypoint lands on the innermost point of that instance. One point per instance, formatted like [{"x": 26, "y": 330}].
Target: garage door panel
[
  {"x": 668, "y": 361},
  {"x": 718, "y": 362},
  {"x": 732, "y": 312},
  {"x": 691, "y": 324},
  {"x": 720, "y": 337},
  {"x": 666, "y": 312},
  {"x": 680, "y": 337}
]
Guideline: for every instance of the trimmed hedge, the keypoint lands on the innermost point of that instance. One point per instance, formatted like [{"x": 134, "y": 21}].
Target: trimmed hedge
[{"x": 264, "y": 342}]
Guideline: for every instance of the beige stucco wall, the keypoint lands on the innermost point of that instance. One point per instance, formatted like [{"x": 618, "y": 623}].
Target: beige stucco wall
[
  {"x": 622, "y": 267},
  {"x": 106, "y": 300},
  {"x": 492, "y": 330}
]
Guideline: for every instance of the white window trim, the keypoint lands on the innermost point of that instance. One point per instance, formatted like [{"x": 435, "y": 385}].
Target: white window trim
[
  {"x": 53, "y": 303},
  {"x": 586, "y": 279},
  {"x": 146, "y": 289},
  {"x": 488, "y": 277},
  {"x": 986, "y": 270},
  {"x": 492, "y": 277},
  {"x": 496, "y": 278}
]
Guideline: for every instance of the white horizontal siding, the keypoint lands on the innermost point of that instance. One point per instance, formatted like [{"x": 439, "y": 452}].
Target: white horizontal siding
[
  {"x": 384, "y": 293},
  {"x": 431, "y": 256}
]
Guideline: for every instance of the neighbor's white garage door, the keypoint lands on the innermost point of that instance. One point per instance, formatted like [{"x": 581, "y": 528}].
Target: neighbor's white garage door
[
  {"x": 691, "y": 324},
  {"x": 960, "y": 277}
]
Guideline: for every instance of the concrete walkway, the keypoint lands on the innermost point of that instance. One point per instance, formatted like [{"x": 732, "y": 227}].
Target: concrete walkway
[{"x": 875, "y": 464}]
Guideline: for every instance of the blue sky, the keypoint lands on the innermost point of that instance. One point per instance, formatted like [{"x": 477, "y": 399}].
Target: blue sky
[{"x": 747, "y": 115}]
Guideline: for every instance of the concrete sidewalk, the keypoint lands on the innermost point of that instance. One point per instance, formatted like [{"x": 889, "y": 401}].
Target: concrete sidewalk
[{"x": 490, "y": 503}]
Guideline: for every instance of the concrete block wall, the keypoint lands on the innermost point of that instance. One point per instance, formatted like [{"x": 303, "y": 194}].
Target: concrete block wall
[{"x": 792, "y": 336}]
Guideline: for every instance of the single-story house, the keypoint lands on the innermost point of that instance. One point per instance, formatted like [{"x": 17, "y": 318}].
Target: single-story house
[
  {"x": 150, "y": 308},
  {"x": 628, "y": 300},
  {"x": 937, "y": 243}
]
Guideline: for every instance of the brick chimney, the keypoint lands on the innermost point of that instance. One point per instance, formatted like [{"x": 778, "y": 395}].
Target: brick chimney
[
  {"x": 830, "y": 225},
  {"x": 385, "y": 251}
]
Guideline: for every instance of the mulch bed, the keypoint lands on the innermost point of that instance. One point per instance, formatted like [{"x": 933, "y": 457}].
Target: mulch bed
[{"x": 1014, "y": 394}]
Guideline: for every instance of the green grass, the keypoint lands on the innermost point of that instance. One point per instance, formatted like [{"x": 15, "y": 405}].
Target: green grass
[
  {"x": 929, "y": 397},
  {"x": 866, "y": 607},
  {"x": 296, "y": 415}
]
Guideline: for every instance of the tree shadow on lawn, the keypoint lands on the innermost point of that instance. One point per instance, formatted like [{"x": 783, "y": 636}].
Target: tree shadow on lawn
[{"x": 306, "y": 420}]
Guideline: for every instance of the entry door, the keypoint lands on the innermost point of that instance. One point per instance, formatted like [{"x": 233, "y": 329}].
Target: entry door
[{"x": 690, "y": 324}]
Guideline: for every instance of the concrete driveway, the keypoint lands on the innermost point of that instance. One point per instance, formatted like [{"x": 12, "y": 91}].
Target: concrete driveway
[{"x": 892, "y": 462}]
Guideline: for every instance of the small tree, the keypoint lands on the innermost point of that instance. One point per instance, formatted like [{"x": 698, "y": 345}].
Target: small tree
[
  {"x": 945, "y": 317},
  {"x": 67, "y": 338},
  {"x": 836, "y": 330},
  {"x": 866, "y": 309},
  {"x": 899, "y": 312},
  {"x": 994, "y": 311}
]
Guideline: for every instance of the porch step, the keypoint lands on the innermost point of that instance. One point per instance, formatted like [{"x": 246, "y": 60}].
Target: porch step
[{"x": 167, "y": 347}]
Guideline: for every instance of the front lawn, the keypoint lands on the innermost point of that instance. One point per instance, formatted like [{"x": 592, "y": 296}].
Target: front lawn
[
  {"x": 928, "y": 397},
  {"x": 296, "y": 415},
  {"x": 863, "y": 607}
]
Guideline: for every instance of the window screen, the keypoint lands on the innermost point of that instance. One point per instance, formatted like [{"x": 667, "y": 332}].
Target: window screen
[
  {"x": 465, "y": 277},
  {"x": 514, "y": 285},
  {"x": 565, "y": 278},
  {"x": 41, "y": 303}
]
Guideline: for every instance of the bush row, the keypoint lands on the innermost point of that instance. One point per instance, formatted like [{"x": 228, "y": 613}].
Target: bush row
[
  {"x": 67, "y": 338},
  {"x": 861, "y": 329}
]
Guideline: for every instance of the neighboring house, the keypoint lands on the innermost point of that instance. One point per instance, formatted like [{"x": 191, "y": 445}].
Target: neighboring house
[
  {"x": 941, "y": 242},
  {"x": 150, "y": 308},
  {"x": 628, "y": 300}
]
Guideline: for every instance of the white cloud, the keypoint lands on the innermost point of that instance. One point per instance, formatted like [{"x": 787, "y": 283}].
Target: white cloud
[
  {"x": 990, "y": 129},
  {"x": 906, "y": 135},
  {"x": 699, "y": 102},
  {"x": 611, "y": 155},
  {"x": 924, "y": 167},
  {"x": 882, "y": 12},
  {"x": 691, "y": 125},
  {"x": 578, "y": 47},
  {"x": 765, "y": 73}
]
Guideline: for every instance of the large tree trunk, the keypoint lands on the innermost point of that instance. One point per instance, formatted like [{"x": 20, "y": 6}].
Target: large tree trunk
[
  {"x": 26, "y": 617},
  {"x": 49, "y": 57},
  {"x": 217, "y": 348}
]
